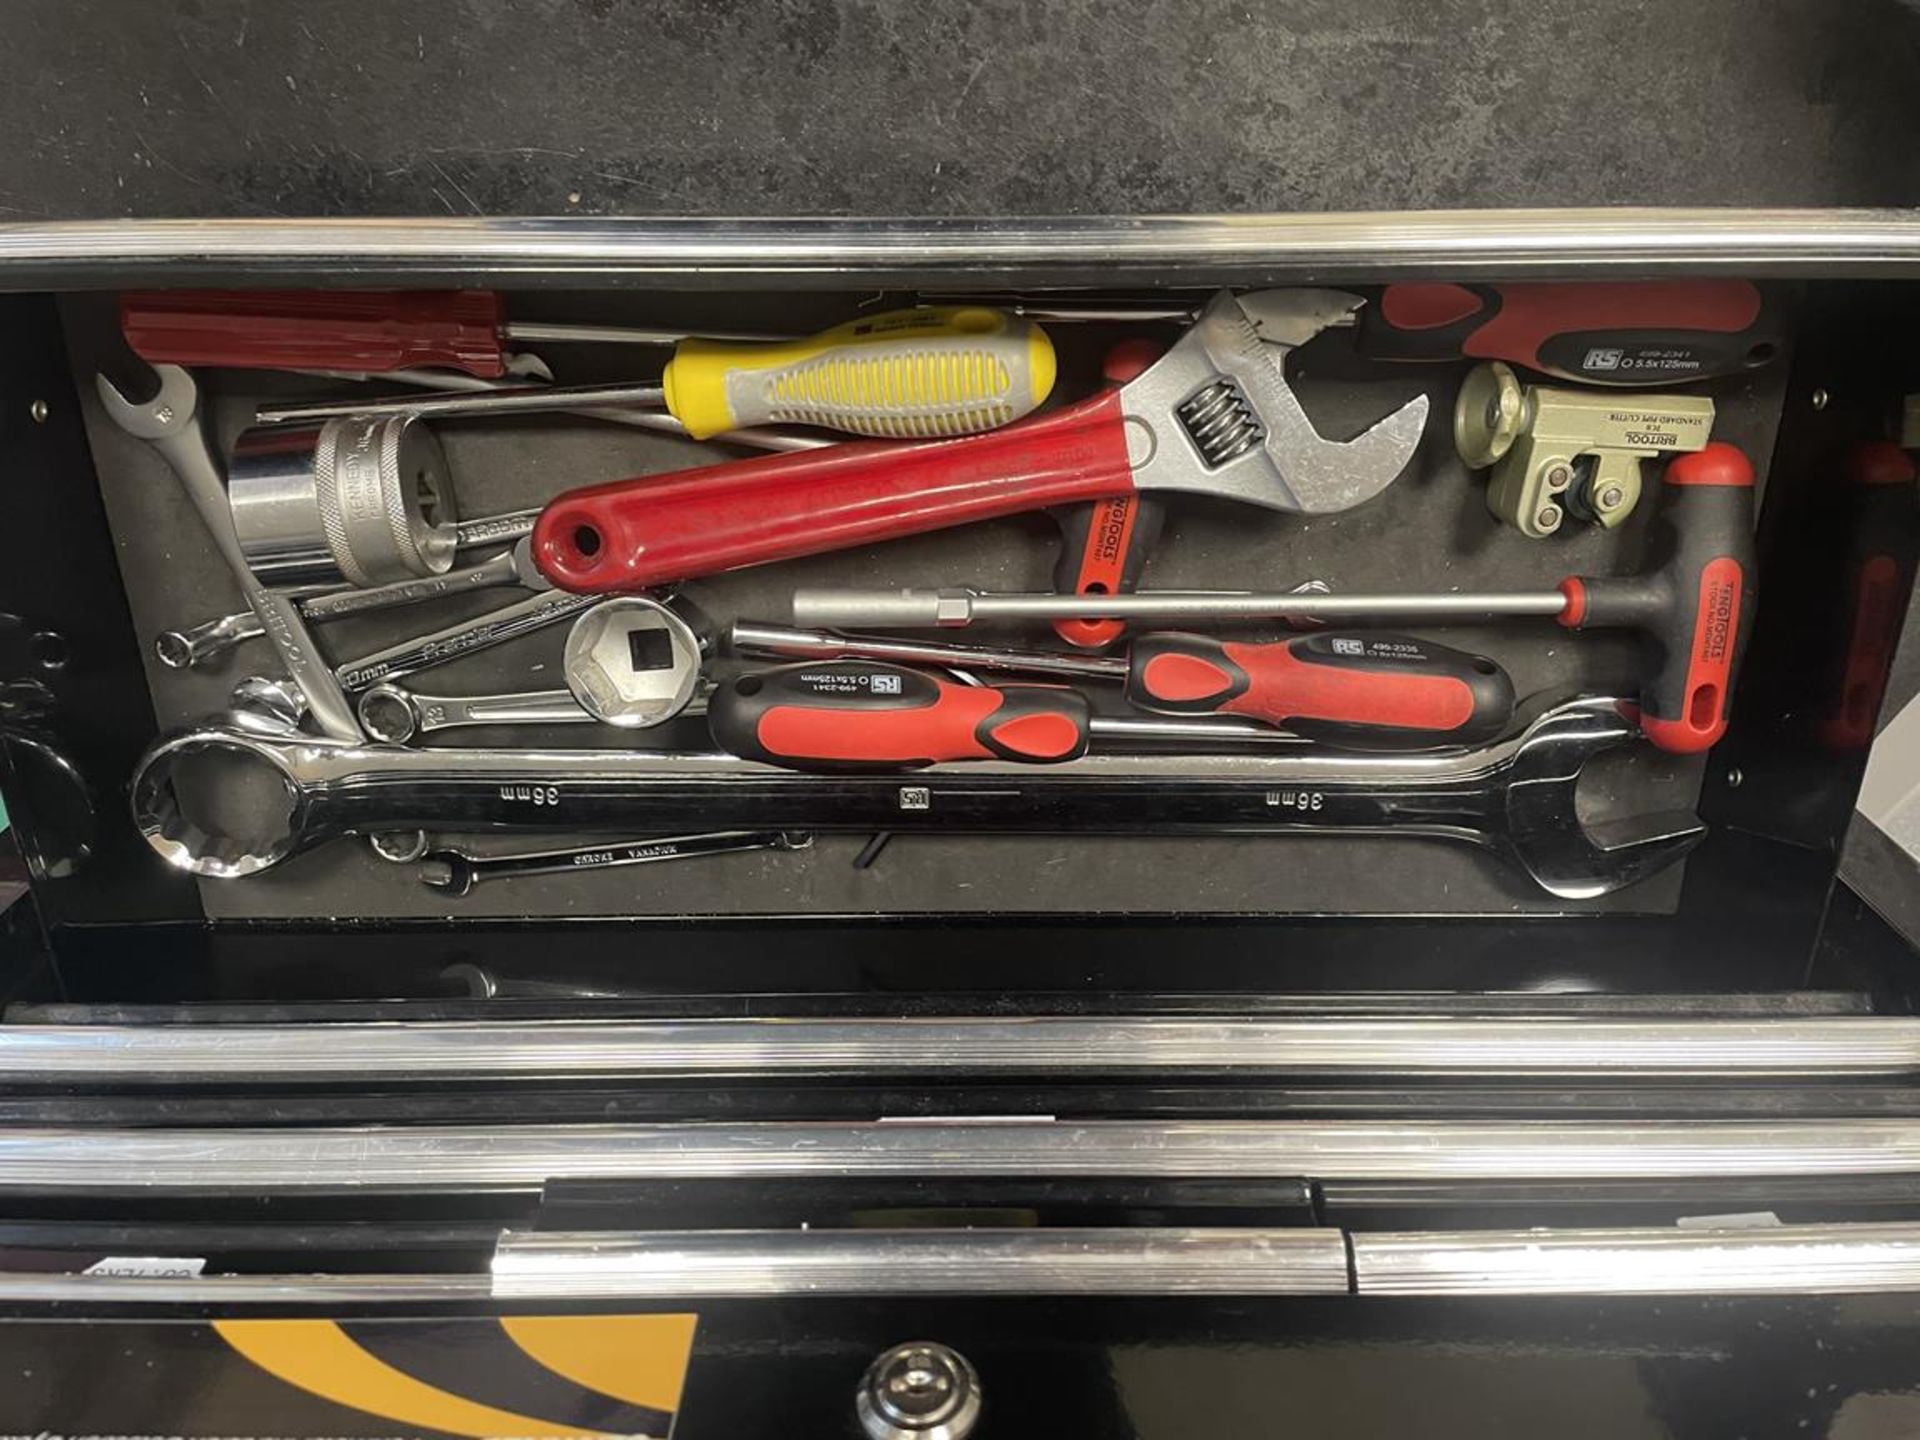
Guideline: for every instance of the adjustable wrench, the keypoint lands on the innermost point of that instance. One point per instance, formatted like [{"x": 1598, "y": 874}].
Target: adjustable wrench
[
  {"x": 1213, "y": 416},
  {"x": 171, "y": 423},
  {"x": 1514, "y": 797}
]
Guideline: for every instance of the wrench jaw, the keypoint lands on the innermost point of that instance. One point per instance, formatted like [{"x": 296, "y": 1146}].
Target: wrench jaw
[
  {"x": 1216, "y": 416},
  {"x": 1544, "y": 832},
  {"x": 173, "y": 411}
]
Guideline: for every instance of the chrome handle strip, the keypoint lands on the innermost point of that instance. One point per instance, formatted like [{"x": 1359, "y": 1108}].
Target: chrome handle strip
[
  {"x": 1068, "y": 1261},
  {"x": 1880, "y": 1258},
  {"x": 1783, "y": 1260},
  {"x": 178, "y": 1055},
  {"x": 441, "y": 1159}
]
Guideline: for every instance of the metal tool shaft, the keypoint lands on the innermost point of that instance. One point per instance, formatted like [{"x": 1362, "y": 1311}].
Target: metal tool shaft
[
  {"x": 529, "y": 401},
  {"x": 937, "y": 609},
  {"x": 1194, "y": 734},
  {"x": 748, "y": 638},
  {"x": 538, "y": 330}
]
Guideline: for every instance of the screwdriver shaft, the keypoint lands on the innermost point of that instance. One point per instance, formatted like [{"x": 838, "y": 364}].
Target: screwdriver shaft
[
  {"x": 476, "y": 402},
  {"x": 936, "y": 609}
]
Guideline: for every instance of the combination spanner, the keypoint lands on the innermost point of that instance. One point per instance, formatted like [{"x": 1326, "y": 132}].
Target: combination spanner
[
  {"x": 203, "y": 643},
  {"x": 172, "y": 424},
  {"x": 1515, "y": 797},
  {"x": 454, "y": 871}
]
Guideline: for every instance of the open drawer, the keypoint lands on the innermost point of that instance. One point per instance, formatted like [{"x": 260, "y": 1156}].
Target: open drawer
[{"x": 1137, "y": 1079}]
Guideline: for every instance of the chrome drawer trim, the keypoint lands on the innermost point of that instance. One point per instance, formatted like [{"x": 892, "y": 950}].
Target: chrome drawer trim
[
  {"x": 436, "y": 1159},
  {"x": 177, "y": 1055},
  {"x": 1169, "y": 249}
]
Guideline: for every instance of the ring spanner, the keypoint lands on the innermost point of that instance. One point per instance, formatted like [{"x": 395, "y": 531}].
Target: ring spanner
[{"x": 1514, "y": 797}]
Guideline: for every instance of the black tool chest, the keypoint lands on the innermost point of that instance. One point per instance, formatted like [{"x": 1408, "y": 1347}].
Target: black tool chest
[{"x": 1155, "y": 1126}]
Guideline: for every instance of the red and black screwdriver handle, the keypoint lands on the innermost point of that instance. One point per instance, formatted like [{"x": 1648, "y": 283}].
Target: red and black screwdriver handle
[
  {"x": 1603, "y": 332},
  {"x": 1360, "y": 690},
  {"x": 867, "y": 715},
  {"x": 1694, "y": 606}
]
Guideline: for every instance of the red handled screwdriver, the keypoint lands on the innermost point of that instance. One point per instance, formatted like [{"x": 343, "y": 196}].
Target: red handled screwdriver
[
  {"x": 371, "y": 332},
  {"x": 1600, "y": 332},
  {"x": 1367, "y": 690},
  {"x": 865, "y": 713}
]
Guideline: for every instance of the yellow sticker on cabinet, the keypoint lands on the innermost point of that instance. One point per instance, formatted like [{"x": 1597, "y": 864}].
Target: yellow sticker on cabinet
[{"x": 532, "y": 1377}]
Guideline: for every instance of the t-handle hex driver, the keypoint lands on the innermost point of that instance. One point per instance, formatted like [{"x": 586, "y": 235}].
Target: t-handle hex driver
[{"x": 1691, "y": 608}]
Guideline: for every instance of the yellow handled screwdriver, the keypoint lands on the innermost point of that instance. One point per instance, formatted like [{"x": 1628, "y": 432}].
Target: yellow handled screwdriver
[
  {"x": 907, "y": 374},
  {"x": 923, "y": 373}
]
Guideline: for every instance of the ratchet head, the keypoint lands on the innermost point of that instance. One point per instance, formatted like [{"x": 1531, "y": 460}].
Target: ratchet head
[
  {"x": 1216, "y": 416},
  {"x": 1544, "y": 831},
  {"x": 172, "y": 410}
]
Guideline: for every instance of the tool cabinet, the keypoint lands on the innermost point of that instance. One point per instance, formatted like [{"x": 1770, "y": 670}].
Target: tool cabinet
[{"x": 1165, "y": 1134}]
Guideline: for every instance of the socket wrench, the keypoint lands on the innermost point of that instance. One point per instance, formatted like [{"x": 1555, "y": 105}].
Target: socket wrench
[
  {"x": 172, "y": 424},
  {"x": 1515, "y": 797}
]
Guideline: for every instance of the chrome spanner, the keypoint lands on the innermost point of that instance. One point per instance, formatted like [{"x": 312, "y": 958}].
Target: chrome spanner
[
  {"x": 468, "y": 637},
  {"x": 206, "y": 642},
  {"x": 172, "y": 424},
  {"x": 1514, "y": 797},
  {"x": 454, "y": 871}
]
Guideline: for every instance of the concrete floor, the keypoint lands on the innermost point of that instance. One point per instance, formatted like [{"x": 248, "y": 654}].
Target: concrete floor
[{"x": 226, "y": 107}]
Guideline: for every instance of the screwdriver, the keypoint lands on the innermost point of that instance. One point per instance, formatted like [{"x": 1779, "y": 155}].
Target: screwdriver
[
  {"x": 1369, "y": 690},
  {"x": 1598, "y": 332},
  {"x": 905, "y": 374},
  {"x": 372, "y": 332},
  {"x": 868, "y": 715}
]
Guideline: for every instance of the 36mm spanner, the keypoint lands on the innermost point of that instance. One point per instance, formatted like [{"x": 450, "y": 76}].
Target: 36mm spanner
[{"x": 1514, "y": 797}]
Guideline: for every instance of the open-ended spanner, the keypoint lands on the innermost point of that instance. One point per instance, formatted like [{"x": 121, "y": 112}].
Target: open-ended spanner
[
  {"x": 1514, "y": 797},
  {"x": 172, "y": 424}
]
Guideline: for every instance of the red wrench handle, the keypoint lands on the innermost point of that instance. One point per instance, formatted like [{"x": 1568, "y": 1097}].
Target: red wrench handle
[{"x": 631, "y": 534}]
